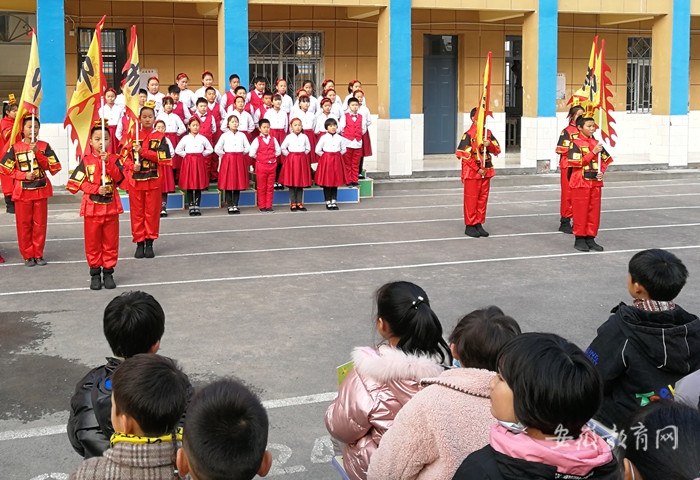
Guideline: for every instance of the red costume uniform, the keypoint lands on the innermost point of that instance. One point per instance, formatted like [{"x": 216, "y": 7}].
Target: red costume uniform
[
  {"x": 568, "y": 135},
  {"x": 584, "y": 166},
  {"x": 476, "y": 186},
  {"x": 144, "y": 185},
  {"x": 100, "y": 212},
  {"x": 30, "y": 196}
]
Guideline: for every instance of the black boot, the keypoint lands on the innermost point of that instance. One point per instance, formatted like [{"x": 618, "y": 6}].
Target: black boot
[
  {"x": 470, "y": 230},
  {"x": 139, "y": 250},
  {"x": 95, "y": 278},
  {"x": 9, "y": 204},
  {"x": 480, "y": 229},
  {"x": 108, "y": 279},
  {"x": 590, "y": 241},
  {"x": 565, "y": 225},
  {"x": 581, "y": 245},
  {"x": 148, "y": 252}
]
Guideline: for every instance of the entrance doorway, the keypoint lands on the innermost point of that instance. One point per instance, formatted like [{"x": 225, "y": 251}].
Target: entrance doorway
[
  {"x": 439, "y": 94},
  {"x": 514, "y": 89}
]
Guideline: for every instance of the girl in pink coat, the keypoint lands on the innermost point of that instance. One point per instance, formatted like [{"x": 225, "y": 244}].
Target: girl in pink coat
[
  {"x": 385, "y": 378},
  {"x": 451, "y": 417}
]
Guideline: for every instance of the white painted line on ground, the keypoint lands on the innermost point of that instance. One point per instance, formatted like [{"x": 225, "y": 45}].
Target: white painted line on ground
[
  {"x": 347, "y": 270},
  {"x": 268, "y": 404}
]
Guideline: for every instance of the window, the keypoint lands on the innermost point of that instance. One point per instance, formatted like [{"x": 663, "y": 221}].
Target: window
[
  {"x": 639, "y": 74},
  {"x": 15, "y": 27},
  {"x": 113, "y": 53},
  {"x": 294, "y": 56}
]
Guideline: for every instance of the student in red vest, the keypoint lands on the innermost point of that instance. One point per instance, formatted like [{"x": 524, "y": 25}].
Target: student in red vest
[
  {"x": 265, "y": 150},
  {"x": 567, "y": 136},
  {"x": 477, "y": 171},
  {"x": 588, "y": 161},
  {"x": 353, "y": 126}
]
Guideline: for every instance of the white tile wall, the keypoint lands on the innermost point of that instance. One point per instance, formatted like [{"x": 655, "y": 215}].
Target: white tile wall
[
  {"x": 56, "y": 136},
  {"x": 394, "y": 154}
]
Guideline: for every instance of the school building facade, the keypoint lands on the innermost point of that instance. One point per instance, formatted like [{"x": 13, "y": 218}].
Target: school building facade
[{"x": 420, "y": 63}]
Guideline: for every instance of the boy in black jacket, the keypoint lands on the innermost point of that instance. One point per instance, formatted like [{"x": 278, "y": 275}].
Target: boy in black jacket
[{"x": 644, "y": 348}]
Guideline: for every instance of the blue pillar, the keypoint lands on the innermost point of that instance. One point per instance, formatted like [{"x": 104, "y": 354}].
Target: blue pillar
[
  {"x": 236, "y": 39},
  {"x": 547, "y": 36},
  {"x": 400, "y": 60},
  {"x": 50, "y": 33},
  {"x": 680, "y": 58}
]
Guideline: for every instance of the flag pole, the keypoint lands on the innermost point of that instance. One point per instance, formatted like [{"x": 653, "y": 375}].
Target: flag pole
[
  {"x": 104, "y": 164},
  {"x": 31, "y": 162}
]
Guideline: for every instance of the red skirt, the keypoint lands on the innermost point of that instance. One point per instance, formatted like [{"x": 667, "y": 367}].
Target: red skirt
[
  {"x": 233, "y": 172},
  {"x": 313, "y": 158},
  {"x": 113, "y": 142},
  {"x": 167, "y": 180},
  {"x": 366, "y": 145},
  {"x": 279, "y": 134},
  {"x": 296, "y": 170},
  {"x": 330, "y": 172},
  {"x": 193, "y": 173},
  {"x": 174, "y": 140}
]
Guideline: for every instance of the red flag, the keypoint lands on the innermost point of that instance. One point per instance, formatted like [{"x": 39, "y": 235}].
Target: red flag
[
  {"x": 31, "y": 95},
  {"x": 84, "y": 107},
  {"x": 130, "y": 89},
  {"x": 483, "y": 109}
]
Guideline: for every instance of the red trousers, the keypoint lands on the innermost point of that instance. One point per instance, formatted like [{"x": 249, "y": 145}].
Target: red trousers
[
  {"x": 476, "y": 195},
  {"x": 586, "y": 207},
  {"x": 565, "y": 208},
  {"x": 351, "y": 164},
  {"x": 265, "y": 178},
  {"x": 213, "y": 167},
  {"x": 145, "y": 213},
  {"x": 101, "y": 240},
  {"x": 31, "y": 216},
  {"x": 8, "y": 184}
]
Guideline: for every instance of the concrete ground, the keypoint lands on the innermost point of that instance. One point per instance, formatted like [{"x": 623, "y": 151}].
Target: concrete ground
[{"x": 279, "y": 300}]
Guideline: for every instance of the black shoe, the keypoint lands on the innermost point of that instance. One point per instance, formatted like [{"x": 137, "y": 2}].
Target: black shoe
[
  {"x": 334, "y": 205},
  {"x": 581, "y": 245},
  {"x": 590, "y": 241},
  {"x": 197, "y": 212},
  {"x": 148, "y": 251},
  {"x": 163, "y": 213},
  {"x": 139, "y": 250},
  {"x": 480, "y": 229},
  {"x": 192, "y": 211},
  {"x": 108, "y": 278},
  {"x": 236, "y": 211},
  {"x": 40, "y": 261},
  {"x": 301, "y": 207},
  {"x": 95, "y": 278},
  {"x": 361, "y": 177},
  {"x": 471, "y": 231},
  {"x": 565, "y": 225},
  {"x": 293, "y": 207},
  {"x": 329, "y": 206},
  {"x": 29, "y": 262}
]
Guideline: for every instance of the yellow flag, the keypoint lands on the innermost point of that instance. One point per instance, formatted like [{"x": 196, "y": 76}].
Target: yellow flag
[
  {"x": 130, "y": 89},
  {"x": 483, "y": 109}
]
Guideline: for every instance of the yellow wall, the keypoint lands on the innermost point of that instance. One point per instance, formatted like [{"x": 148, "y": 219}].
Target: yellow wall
[{"x": 695, "y": 63}]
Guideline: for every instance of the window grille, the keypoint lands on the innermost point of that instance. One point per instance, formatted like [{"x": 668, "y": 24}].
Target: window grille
[
  {"x": 639, "y": 74},
  {"x": 113, "y": 53}
]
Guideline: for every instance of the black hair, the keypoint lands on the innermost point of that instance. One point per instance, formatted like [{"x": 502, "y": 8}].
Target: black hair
[
  {"x": 232, "y": 76},
  {"x": 406, "y": 309},
  {"x": 329, "y": 122},
  {"x": 660, "y": 272},
  {"x": 581, "y": 121},
  {"x": 173, "y": 89},
  {"x": 143, "y": 91},
  {"x": 146, "y": 108},
  {"x": 99, "y": 127},
  {"x": 277, "y": 96},
  {"x": 225, "y": 432},
  {"x": 309, "y": 81},
  {"x": 6, "y": 108},
  {"x": 167, "y": 99},
  {"x": 573, "y": 110},
  {"x": 554, "y": 383},
  {"x": 263, "y": 121},
  {"x": 473, "y": 112},
  {"x": 353, "y": 100},
  {"x": 202, "y": 100},
  {"x": 267, "y": 93},
  {"x": 29, "y": 118},
  {"x": 239, "y": 88},
  {"x": 480, "y": 335},
  {"x": 209, "y": 88},
  {"x": 673, "y": 457},
  {"x": 152, "y": 390},
  {"x": 259, "y": 79},
  {"x": 132, "y": 323}
]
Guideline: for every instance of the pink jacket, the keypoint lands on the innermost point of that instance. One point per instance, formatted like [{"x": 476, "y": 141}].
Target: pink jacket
[
  {"x": 381, "y": 382},
  {"x": 437, "y": 429}
]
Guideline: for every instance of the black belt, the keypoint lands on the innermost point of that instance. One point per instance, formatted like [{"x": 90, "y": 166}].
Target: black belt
[{"x": 590, "y": 174}]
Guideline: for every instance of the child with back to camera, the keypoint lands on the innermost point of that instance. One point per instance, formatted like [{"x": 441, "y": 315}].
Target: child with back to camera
[
  {"x": 545, "y": 391},
  {"x": 225, "y": 434},
  {"x": 643, "y": 349},
  {"x": 385, "y": 378},
  {"x": 451, "y": 417}
]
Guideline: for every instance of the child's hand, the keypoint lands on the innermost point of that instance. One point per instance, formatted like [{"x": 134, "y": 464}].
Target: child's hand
[
  {"x": 102, "y": 190},
  {"x": 137, "y": 166},
  {"x": 104, "y": 156},
  {"x": 597, "y": 149},
  {"x": 487, "y": 143},
  {"x": 137, "y": 148},
  {"x": 33, "y": 147},
  {"x": 599, "y": 176},
  {"x": 481, "y": 172},
  {"x": 30, "y": 176}
]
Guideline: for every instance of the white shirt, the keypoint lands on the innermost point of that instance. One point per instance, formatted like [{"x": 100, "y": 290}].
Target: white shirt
[
  {"x": 331, "y": 144},
  {"x": 267, "y": 139},
  {"x": 201, "y": 93},
  {"x": 188, "y": 99},
  {"x": 158, "y": 98},
  {"x": 278, "y": 120},
  {"x": 170, "y": 146},
  {"x": 112, "y": 114},
  {"x": 294, "y": 143},
  {"x": 245, "y": 121},
  {"x": 308, "y": 118},
  {"x": 366, "y": 116},
  {"x": 345, "y": 102},
  {"x": 173, "y": 124},
  {"x": 260, "y": 113},
  {"x": 231, "y": 143},
  {"x": 194, "y": 144},
  {"x": 321, "y": 121},
  {"x": 287, "y": 103}
]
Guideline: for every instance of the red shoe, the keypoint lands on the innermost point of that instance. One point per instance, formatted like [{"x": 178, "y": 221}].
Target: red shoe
[{"x": 2, "y": 260}]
